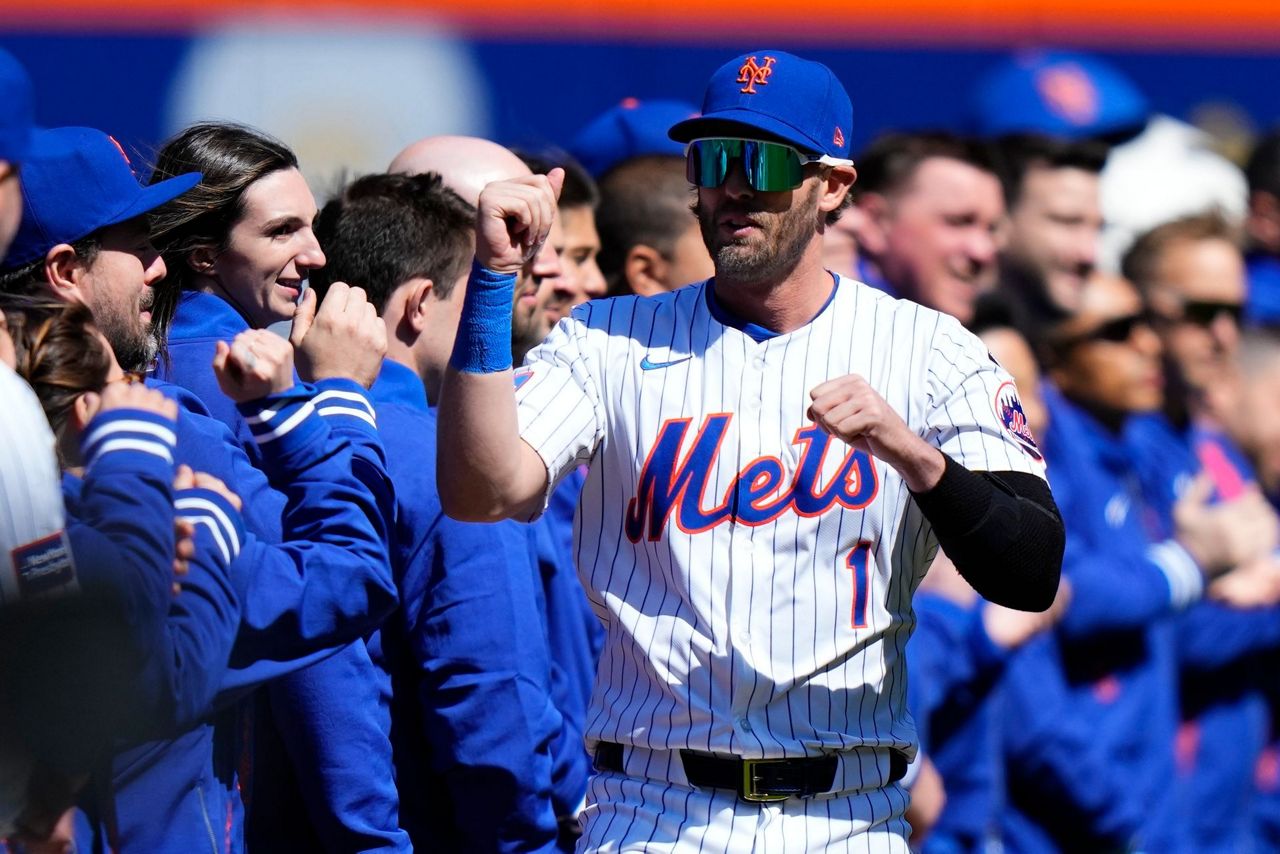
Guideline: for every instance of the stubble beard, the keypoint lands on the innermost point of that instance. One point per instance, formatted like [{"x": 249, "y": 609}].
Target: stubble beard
[{"x": 770, "y": 260}]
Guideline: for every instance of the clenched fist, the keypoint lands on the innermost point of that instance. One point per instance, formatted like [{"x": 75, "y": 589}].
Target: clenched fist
[
  {"x": 514, "y": 218},
  {"x": 849, "y": 409}
]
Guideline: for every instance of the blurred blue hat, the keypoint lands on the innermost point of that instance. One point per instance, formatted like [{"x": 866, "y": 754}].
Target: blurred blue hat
[
  {"x": 76, "y": 181},
  {"x": 633, "y": 128},
  {"x": 17, "y": 109},
  {"x": 1056, "y": 93},
  {"x": 771, "y": 95}
]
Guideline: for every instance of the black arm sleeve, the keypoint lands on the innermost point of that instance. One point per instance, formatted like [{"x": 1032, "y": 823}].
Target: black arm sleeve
[{"x": 1003, "y": 532}]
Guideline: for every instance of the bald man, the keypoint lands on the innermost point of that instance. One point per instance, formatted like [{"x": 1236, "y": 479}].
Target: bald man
[{"x": 467, "y": 164}]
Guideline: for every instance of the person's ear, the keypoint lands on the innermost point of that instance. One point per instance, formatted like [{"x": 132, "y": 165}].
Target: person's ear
[
  {"x": 83, "y": 409},
  {"x": 871, "y": 226},
  {"x": 646, "y": 271},
  {"x": 201, "y": 260},
  {"x": 837, "y": 184},
  {"x": 64, "y": 273},
  {"x": 416, "y": 309}
]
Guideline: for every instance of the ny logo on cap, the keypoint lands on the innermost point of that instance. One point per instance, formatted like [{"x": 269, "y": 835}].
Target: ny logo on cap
[
  {"x": 751, "y": 73},
  {"x": 1068, "y": 92}
]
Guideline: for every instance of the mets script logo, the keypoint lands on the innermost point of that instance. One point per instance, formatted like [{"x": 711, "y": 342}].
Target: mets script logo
[
  {"x": 751, "y": 73},
  {"x": 675, "y": 484},
  {"x": 1009, "y": 408}
]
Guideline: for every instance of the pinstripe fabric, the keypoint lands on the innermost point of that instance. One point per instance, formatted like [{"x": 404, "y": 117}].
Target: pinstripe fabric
[
  {"x": 731, "y": 614},
  {"x": 30, "y": 483}
]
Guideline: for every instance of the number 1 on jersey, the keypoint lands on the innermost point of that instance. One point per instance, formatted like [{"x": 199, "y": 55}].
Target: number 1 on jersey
[{"x": 859, "y": 561}]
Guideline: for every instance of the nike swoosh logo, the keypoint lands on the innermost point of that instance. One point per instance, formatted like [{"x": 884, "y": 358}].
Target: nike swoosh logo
[{"x": 646, "y": 364}]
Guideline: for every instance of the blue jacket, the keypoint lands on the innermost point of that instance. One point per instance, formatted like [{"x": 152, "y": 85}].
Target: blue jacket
[
  {"x": 1116, "y": 641},
  {"x": 1220, "y": 651},
  {"x": 1063, "y": 790},
  {"x": 574, "y": 640},
  {"x": 955, "y": 669},
  {"x": 474, "y": 720},
  {"x": 142, "y": 659},
  {"x": 322, "y": 764},
  {"x": 311, "y": 577}
]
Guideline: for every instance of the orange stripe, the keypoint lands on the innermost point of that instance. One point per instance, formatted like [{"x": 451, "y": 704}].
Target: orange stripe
[{"x": 1224, "y": 22}]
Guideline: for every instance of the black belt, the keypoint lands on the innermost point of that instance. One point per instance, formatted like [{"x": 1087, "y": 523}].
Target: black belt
[{"x": 755, "y": 780}]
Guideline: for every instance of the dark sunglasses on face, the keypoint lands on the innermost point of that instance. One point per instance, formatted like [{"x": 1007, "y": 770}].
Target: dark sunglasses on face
[
  {"x": 1116, "y": 331},
  {"x": 1205, "y": 312},
  {"x": 770, "y": 167}
]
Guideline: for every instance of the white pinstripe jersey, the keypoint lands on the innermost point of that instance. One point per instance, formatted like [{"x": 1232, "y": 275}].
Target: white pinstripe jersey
[
  {"x": 753, "y": 575},
  {"x": 31, "y": 515}
]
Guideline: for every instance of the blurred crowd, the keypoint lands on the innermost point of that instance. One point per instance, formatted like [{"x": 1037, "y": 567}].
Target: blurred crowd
[{"x": 235, "y": 616}]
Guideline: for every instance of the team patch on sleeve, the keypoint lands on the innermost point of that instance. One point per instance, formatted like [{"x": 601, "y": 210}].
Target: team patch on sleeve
[
  {"x": 523, "y": 375},
  {"x": 1009, "y": 410},
  {"x": 43, "y": 566}
]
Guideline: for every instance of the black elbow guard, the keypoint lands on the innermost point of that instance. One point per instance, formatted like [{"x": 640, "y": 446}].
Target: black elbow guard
[{"x": 1002, "y": 531}]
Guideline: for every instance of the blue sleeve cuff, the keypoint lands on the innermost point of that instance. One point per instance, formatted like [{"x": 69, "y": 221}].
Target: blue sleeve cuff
[
  {"x": 483, "y": 343},
  {"x": 286, "y": 419},
  {"x": 345, "y": 404},
  {"x": 1186, "y": 582},
  {"x": 131, "y": 436},
  {"x": 210, "y": 511}
]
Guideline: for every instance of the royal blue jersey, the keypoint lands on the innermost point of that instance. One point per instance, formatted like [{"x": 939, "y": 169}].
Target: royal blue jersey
[
  {"x": 312, "y": 576},
  {"x": 322, "y": 764},
  {"x": 474, "y": 718}
]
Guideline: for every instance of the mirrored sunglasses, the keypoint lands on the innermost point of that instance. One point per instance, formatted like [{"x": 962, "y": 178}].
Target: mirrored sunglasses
[{"x": 770, "y": 167}]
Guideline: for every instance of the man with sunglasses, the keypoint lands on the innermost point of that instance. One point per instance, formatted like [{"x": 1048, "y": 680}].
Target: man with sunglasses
[
  {"x": 1192, "y": 274},
  {"x": 757, "y": 512}
]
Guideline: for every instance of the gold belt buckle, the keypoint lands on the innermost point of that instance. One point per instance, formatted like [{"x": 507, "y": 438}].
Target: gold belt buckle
[{"x": 749, "y": 780}]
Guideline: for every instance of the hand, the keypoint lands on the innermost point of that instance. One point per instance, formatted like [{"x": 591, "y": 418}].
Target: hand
[
  {"x": 185, "y": 532},
  {"x": 928, "y": 798},
  {"x": 1255, "y": 584},
  {"x": 1225, "y": 535},
  {"x": 344, "y": 339},
  {"x": 851, "y": 410},
  {"x": 514, "y": 218},
  {"x": 120, "y": 395},
  {"x": 1010, "y": 629},
  {"x": 256, "y": 364}
]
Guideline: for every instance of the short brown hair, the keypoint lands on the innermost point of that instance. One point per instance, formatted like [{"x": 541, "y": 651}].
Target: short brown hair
[{"x": 1141, "y": 264}]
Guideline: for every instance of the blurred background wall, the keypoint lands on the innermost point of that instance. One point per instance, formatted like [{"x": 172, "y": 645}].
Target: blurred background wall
[{"x": 347, "y": 84}]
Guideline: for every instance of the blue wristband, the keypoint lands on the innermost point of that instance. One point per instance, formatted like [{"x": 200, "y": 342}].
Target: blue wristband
[{"x": 483, "y": 345}]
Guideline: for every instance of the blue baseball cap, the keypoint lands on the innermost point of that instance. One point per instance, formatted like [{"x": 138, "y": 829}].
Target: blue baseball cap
[
  {"x": 1070, "y": 95},
  {"x": 17, "y": 109},
  {"x": 77, "y": 181},
  {"x": 633, "y": 128},
  {"x": 776, "y": 97}
]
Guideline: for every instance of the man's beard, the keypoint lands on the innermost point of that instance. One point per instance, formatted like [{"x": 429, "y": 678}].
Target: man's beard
[
  {"x": 135, "y": 344},
  {"x": 773, "y": 259}
]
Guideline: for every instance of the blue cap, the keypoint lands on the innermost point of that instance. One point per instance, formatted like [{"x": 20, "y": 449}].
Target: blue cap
[
  {"x": 1055, "y": 93},
  {"x": 774, "y": 96},
  {"x": 76, "y": 181},
  {"x": 17, "y": 109},
  {"x": 633, "y": 128}
]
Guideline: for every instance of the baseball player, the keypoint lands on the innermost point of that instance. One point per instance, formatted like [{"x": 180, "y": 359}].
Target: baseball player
[{"x": 775, "y": 455}]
